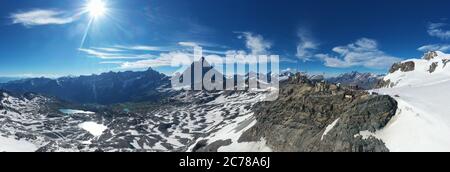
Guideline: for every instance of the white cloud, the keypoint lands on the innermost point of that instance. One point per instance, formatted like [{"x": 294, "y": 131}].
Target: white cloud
[
  {"x": 188, "y": 44},
  {"x": 42, "y": 17},
  {"x": 113, "y": 55},
  {"x": 255, "y": 43},
  {"x": 33, "y": 75},
  {"x": 203, "y": 45},
  {"x": 435, "y": 47},
  {"x": 165, "y": 59},
  {"x": 112, "y": 62},
  {"x": 364, "y": 52},
  {"x": 141, "y": 48},
  {"x": 436, "y": 30},
  {"x": 108, "y": 49},
  {"x": 306, "y": 46}
]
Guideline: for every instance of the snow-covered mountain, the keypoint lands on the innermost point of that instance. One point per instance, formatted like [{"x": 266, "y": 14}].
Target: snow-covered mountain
[
  {"x": 106, "y": 88},
  {"x": 309, "y": 115},
  {"x": 422, "y": 89},
  {"x": 432, "y": 68}
]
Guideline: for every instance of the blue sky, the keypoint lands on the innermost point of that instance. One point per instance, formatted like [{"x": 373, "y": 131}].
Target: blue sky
[{"x": 45, "y": 37}]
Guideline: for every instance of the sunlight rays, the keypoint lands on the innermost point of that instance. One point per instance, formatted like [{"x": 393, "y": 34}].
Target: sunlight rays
[{"x": 96, "y": 9}]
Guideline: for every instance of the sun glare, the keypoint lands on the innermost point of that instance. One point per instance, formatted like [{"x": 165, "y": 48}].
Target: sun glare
[{"x": 96, "y": 8}]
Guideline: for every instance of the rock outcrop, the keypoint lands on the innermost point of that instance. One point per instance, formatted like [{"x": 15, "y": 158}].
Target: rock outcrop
[
  {"x": 302, "y": 118},
  {"x": 445, "y": 61},
  {"x": 404, "y": 67},
  {"x": 430, "y": 55},
  {"x": 433, "y": 67}
]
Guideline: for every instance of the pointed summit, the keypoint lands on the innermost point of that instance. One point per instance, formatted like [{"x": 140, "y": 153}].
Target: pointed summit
[{"x": 430, "y": 55}]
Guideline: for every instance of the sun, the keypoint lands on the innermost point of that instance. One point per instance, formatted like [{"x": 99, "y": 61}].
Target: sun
[{"x": 96, "y": 8}]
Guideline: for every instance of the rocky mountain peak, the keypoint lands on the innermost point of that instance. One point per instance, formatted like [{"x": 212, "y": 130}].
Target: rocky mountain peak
[
  {"x": 433, "y": 54},
  {"x": 403, "y": 66},
  {"x": 430, "y": 55}
]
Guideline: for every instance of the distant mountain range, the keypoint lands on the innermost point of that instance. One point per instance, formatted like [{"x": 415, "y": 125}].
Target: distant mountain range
[
  {"x": 106, "y": 88},
  {"x": 8, "y": 79},
  {"x": 357, "y": 79},
  {"x": 149, "y": 85}
]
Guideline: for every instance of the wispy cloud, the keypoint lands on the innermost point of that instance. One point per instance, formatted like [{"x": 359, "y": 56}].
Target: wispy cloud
[
  {"x": 142, "y": 48},
  {"x": 113, "y": 55},
  {"x": 437, "y": 30},
  {"x": 178, "y": 57},
  {"x": 435, "y": 47},
  {"x": 165, "y": 59},
  {"x": 364, "y": 52},
  {"x": 188, "y": 44},
  {"x": 32, "y": 75},
  {"x": 112, "y": 62},
  {"x": 42, "y": 17},
  {"x": 107, "y": 49},
  {"x": 306, "y": 46},
  {"x": 255, "y": 43},
  {"x": 203, "y": 45}
]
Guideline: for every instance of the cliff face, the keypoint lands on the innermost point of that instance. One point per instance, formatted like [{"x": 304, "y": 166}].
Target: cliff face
[{"x": 312, "y": 116}]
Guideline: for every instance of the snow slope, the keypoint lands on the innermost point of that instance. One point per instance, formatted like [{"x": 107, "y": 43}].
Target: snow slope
[
  {"x": 422, "y": 122},
  {"x": 13, "y": 145},
  {"x": 233, "y": 129}
]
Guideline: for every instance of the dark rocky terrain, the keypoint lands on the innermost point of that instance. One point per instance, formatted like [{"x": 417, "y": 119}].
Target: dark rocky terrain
[{"x": 298, "y": 119}]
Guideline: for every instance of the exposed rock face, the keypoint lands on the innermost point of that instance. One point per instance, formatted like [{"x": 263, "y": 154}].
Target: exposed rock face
[
  {"x": 384, "y": 83},
  {"x": 430, "y": 55},
  {"x": 404, "y": 67},
  {"x": 445, "y": 61},
  {"x": 202, "y": 146},
  {"x": 298, "y": 121},
  {"x": 433, "y": 67}
]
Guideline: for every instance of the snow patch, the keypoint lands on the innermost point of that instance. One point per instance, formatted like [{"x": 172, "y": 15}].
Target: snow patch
[
  {"x": 13, "y": 145},
  {"x": 329, "y": 127},
  {"x": 74, "y": 111},
  {"x": 93, "y": 128}
]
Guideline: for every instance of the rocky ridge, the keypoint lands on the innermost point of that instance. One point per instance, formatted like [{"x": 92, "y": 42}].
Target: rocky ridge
[{"x": 312, "y": 116}]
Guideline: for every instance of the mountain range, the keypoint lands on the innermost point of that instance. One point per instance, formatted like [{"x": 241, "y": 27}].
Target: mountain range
[
  {"x": 106, "y": 88},
  {"x": 405, "y": 110},
  {"x": 357, "y": 79}
]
